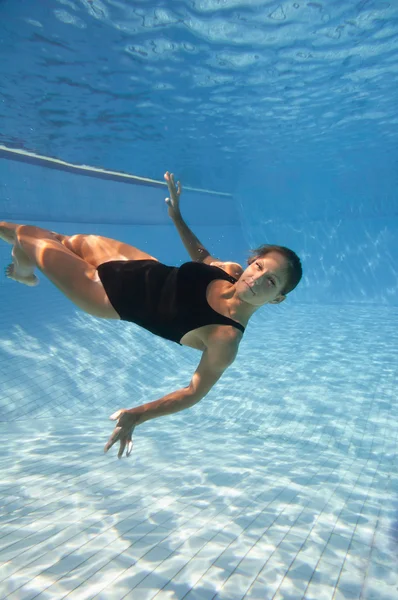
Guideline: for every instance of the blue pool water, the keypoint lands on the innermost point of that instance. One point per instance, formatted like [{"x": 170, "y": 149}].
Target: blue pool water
[{"x": 281, "y": 121}]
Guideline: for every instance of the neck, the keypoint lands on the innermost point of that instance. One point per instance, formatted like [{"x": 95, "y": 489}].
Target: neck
[{"x": 238, "y": 309}]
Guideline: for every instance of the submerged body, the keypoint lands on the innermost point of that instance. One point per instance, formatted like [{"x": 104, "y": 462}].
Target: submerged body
[
  {"x": 171, "y": 302},
  {"x": 205, "y": 304}
]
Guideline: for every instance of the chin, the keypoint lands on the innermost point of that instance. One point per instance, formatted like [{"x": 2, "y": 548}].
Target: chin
[{"x": 245, "y": 297}]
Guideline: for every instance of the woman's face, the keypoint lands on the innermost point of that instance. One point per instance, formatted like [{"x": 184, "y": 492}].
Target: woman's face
[{"x": 263, "y": 281}]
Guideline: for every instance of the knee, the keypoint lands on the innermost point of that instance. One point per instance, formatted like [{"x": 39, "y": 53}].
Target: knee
[
  {"x": 23, "y": 230},
  {"x": 31, "y": 240},
  {"x": 37, "y": 233}
]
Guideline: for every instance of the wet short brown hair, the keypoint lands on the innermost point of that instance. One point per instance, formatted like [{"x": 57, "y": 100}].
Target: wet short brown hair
[{"x": 294, "y": 269}]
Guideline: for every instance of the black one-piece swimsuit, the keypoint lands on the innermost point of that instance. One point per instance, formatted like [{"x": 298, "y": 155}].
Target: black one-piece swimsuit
[{"x": 167, "y": 301}]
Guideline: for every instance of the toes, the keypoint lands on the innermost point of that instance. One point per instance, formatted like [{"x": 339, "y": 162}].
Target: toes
[{"x": 30, "y": 280}]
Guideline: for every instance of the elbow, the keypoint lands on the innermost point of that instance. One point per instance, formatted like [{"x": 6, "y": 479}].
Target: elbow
[{"x": 193, "y": 396}]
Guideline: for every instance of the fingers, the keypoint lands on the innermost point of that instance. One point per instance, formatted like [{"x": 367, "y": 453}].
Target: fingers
[
  {"x": 125, "y": 444},
  {"x": 122, "y": 433},
  {"x": 169, "y": 177},
  {"x": 122, "y": 446},
  {"x": 113, "y": 439},
  {"x": 116, "y": 415},
  {"x": 129, "y": 447},
  {"x": 125, "y": 440},
  {"x": 173, "y": 188}
]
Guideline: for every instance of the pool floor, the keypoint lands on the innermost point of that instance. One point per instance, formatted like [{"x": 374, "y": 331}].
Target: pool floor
[{"x": 280, "y": 485}]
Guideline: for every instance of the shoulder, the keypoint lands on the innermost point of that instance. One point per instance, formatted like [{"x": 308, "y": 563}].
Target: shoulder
[{"x": 232, "y": 268}]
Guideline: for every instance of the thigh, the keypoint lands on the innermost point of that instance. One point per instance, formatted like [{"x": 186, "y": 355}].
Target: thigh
[
  {"x": 76, "y": 279},
  {"x": 96, "y": 249}
]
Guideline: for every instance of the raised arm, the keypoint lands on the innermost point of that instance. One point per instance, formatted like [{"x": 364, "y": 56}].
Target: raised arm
[
  {"x": 195, "y": 248},
  {"x": 213, "y": 363}
]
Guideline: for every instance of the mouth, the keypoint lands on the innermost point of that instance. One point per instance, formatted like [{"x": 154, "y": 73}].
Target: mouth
[{"x": 250, "y": 288}]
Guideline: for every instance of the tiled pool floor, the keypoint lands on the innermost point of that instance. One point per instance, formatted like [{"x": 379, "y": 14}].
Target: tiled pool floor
[
  {"x": 281, "y": 484},
  {"x": 195, "y": 513}
]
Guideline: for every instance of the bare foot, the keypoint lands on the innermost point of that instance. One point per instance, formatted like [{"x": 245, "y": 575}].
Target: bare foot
[{"x": 12, "y": 273}]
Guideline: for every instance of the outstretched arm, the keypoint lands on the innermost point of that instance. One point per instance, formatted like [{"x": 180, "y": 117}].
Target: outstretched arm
[
  {"x": 213, "y": 363},
  {"x": 195, "y": 248}
]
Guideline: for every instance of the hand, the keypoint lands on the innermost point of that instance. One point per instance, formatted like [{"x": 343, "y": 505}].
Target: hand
[
  {"x": 173, "y": 202},
  {"x": 126, "y": 422}
]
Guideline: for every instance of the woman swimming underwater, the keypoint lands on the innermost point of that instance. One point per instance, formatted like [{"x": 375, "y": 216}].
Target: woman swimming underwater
[{"x": 204, "y": 304}]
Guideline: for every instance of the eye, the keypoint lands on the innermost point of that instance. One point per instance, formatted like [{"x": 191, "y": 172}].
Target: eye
[
  {"x": 259, "y": 266},
  {"x": 272, "y": 281}
]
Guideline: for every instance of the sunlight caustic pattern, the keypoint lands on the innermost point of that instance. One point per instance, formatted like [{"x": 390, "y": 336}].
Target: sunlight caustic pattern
[{"x": 280, "y": 484}]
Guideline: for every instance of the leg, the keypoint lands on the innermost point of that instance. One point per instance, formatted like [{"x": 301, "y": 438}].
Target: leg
[
  {"x": 7, "y": 231},
  {"x": 22, "y": 268},
  {"x": 96, "y": 249},
  {"x": 77, "y": 279}
]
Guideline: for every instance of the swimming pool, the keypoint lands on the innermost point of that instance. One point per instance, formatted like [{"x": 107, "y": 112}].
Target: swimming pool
[{"x": 281, "y": 483}]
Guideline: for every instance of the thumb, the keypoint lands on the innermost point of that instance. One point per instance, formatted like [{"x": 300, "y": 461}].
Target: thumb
[{"x": 116, "y": 415}]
